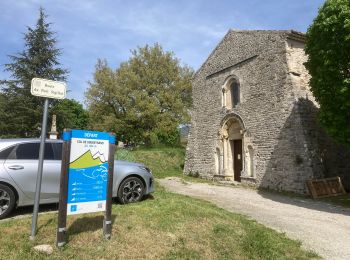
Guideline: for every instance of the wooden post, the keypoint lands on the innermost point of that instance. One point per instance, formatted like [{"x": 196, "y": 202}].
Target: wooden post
[
  {"x": 107, "y": 222},
  {"x": 61, "y": 238}
]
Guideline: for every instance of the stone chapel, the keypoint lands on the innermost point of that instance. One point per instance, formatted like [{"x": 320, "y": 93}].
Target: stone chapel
[{"x": 254, "y": 118}]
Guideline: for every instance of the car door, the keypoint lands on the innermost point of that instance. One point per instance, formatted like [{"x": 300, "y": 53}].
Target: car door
[{"x": 22, "y": 166}]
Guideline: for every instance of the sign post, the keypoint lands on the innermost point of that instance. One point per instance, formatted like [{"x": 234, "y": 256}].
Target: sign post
[
  {"x": 107, "y": 222},
  {"x": 86, "y": 178},
  {"x": 40, "y": 170},
  {"x": 62, "y": 206},
  {"x": 48, "y": 89}
]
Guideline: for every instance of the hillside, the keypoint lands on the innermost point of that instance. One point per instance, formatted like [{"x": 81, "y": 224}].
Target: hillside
[{"x": 163, "y": 162}]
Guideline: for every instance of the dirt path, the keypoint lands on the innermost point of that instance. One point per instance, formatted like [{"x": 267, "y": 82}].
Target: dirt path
[{"x": 321, "y": 227}]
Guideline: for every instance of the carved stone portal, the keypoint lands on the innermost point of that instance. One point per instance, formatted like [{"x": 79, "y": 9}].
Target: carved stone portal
[{"x": 231, "y": 140}]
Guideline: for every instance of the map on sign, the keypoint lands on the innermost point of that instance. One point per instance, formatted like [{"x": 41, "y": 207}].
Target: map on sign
[{"x": 88, "y": 172}]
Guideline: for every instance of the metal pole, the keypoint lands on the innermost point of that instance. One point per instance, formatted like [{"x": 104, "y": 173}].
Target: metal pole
[{"x": 40, "y": 170}]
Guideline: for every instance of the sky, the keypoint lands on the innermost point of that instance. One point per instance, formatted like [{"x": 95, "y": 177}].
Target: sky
[{"x": 87, "y": 30}]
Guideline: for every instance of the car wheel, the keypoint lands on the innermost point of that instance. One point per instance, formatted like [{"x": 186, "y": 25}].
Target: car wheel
[
  {"x": 131, "y": 190},
  {"x": 7, "y": 201}
]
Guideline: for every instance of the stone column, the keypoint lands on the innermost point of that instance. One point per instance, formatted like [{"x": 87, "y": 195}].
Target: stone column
[
  {"x": 226, "y": 158},
  {"x": 53, "y": 133},
  {"x": 221, "y": 170},
  {"x": 225, "y": 150},
  {"x": 223, "y": 89}
]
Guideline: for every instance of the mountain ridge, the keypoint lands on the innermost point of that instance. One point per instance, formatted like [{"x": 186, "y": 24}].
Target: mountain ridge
[{"x": 86, "y": 160}]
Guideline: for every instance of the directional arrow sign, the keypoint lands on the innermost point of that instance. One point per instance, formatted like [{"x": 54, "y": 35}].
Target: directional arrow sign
[{"x": 48, "y": 88}]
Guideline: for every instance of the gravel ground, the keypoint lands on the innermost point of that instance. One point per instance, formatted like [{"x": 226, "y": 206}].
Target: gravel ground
[{"x": 321, "y": 227}]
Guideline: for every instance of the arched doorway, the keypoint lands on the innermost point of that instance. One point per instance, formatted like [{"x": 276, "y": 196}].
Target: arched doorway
[{"x": 232, "y": 146}]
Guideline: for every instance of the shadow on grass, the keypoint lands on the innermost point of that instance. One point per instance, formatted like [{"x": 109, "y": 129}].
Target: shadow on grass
[
  {"x": 48, "y": 222},
  {"x": 28, "y": 210},
  {"x": 93, "y": 223},
  {"x": 148, "y": 197},
  {"x": 86, "y": 224}
]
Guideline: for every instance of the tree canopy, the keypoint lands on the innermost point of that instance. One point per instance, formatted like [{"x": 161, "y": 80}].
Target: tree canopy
[
  {"x": 22, "y": 112},
  {"x": 70, "y": 114},
  {"x": 328, "y": 49},
  {"x": 144, "y": 100}
]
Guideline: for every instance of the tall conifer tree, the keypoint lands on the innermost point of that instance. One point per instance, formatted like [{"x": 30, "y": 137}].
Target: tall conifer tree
[{"x": 22, "y": 111}]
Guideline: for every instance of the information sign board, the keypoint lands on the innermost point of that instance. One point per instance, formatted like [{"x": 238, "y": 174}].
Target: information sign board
[
  {"x": 86, "y": 183},
  {"x": 48, "y": 88},
  {"x": 88, "y": 172}
]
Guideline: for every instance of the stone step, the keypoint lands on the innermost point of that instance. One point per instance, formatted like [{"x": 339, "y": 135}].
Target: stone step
[{"x": 229, "y": 183}]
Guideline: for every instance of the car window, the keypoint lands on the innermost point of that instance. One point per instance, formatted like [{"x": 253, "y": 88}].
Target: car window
[
  {"x": 5, "y": 153},
  {"x": 30, "y": 151},
  {"x": 57, "y": 150},
  {"x": 27, "y": 151},
  {"x": 49, "y": 155}
]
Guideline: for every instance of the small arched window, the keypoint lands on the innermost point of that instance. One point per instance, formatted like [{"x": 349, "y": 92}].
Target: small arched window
[
  {"x": 234, "y": 87},
  {"x": 231, "y": 93}
]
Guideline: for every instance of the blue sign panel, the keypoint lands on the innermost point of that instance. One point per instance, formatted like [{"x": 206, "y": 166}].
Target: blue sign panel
[{"x": 88, "y": 171}]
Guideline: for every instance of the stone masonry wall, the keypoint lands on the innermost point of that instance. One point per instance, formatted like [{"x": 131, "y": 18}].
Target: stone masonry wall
[
  {"x": 263, "y": 86},
  {"x": 289, "y": 166},
  {"x": 320, "y": 154},
  {"x": 276, "y": 107}
]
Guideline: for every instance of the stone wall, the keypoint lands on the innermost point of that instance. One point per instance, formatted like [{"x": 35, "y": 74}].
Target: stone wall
[
  {"x": 321, "y": 155},
  {"x": 276, "y": 108}
]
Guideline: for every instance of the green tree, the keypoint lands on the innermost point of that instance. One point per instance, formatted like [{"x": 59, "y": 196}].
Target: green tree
[
  {"x": 144, "y": 100},
  {"x": 328, "y": 49},
  {"x": 4, "y": 119},
  {"x": 23, "y": 112},
  {"x": 70, "y": 114}
]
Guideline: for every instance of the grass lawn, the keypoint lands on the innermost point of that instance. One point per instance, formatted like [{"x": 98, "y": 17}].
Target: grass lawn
[
  {"x": 164, "y": 226},
  {"x": 167, "y": 226}
]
